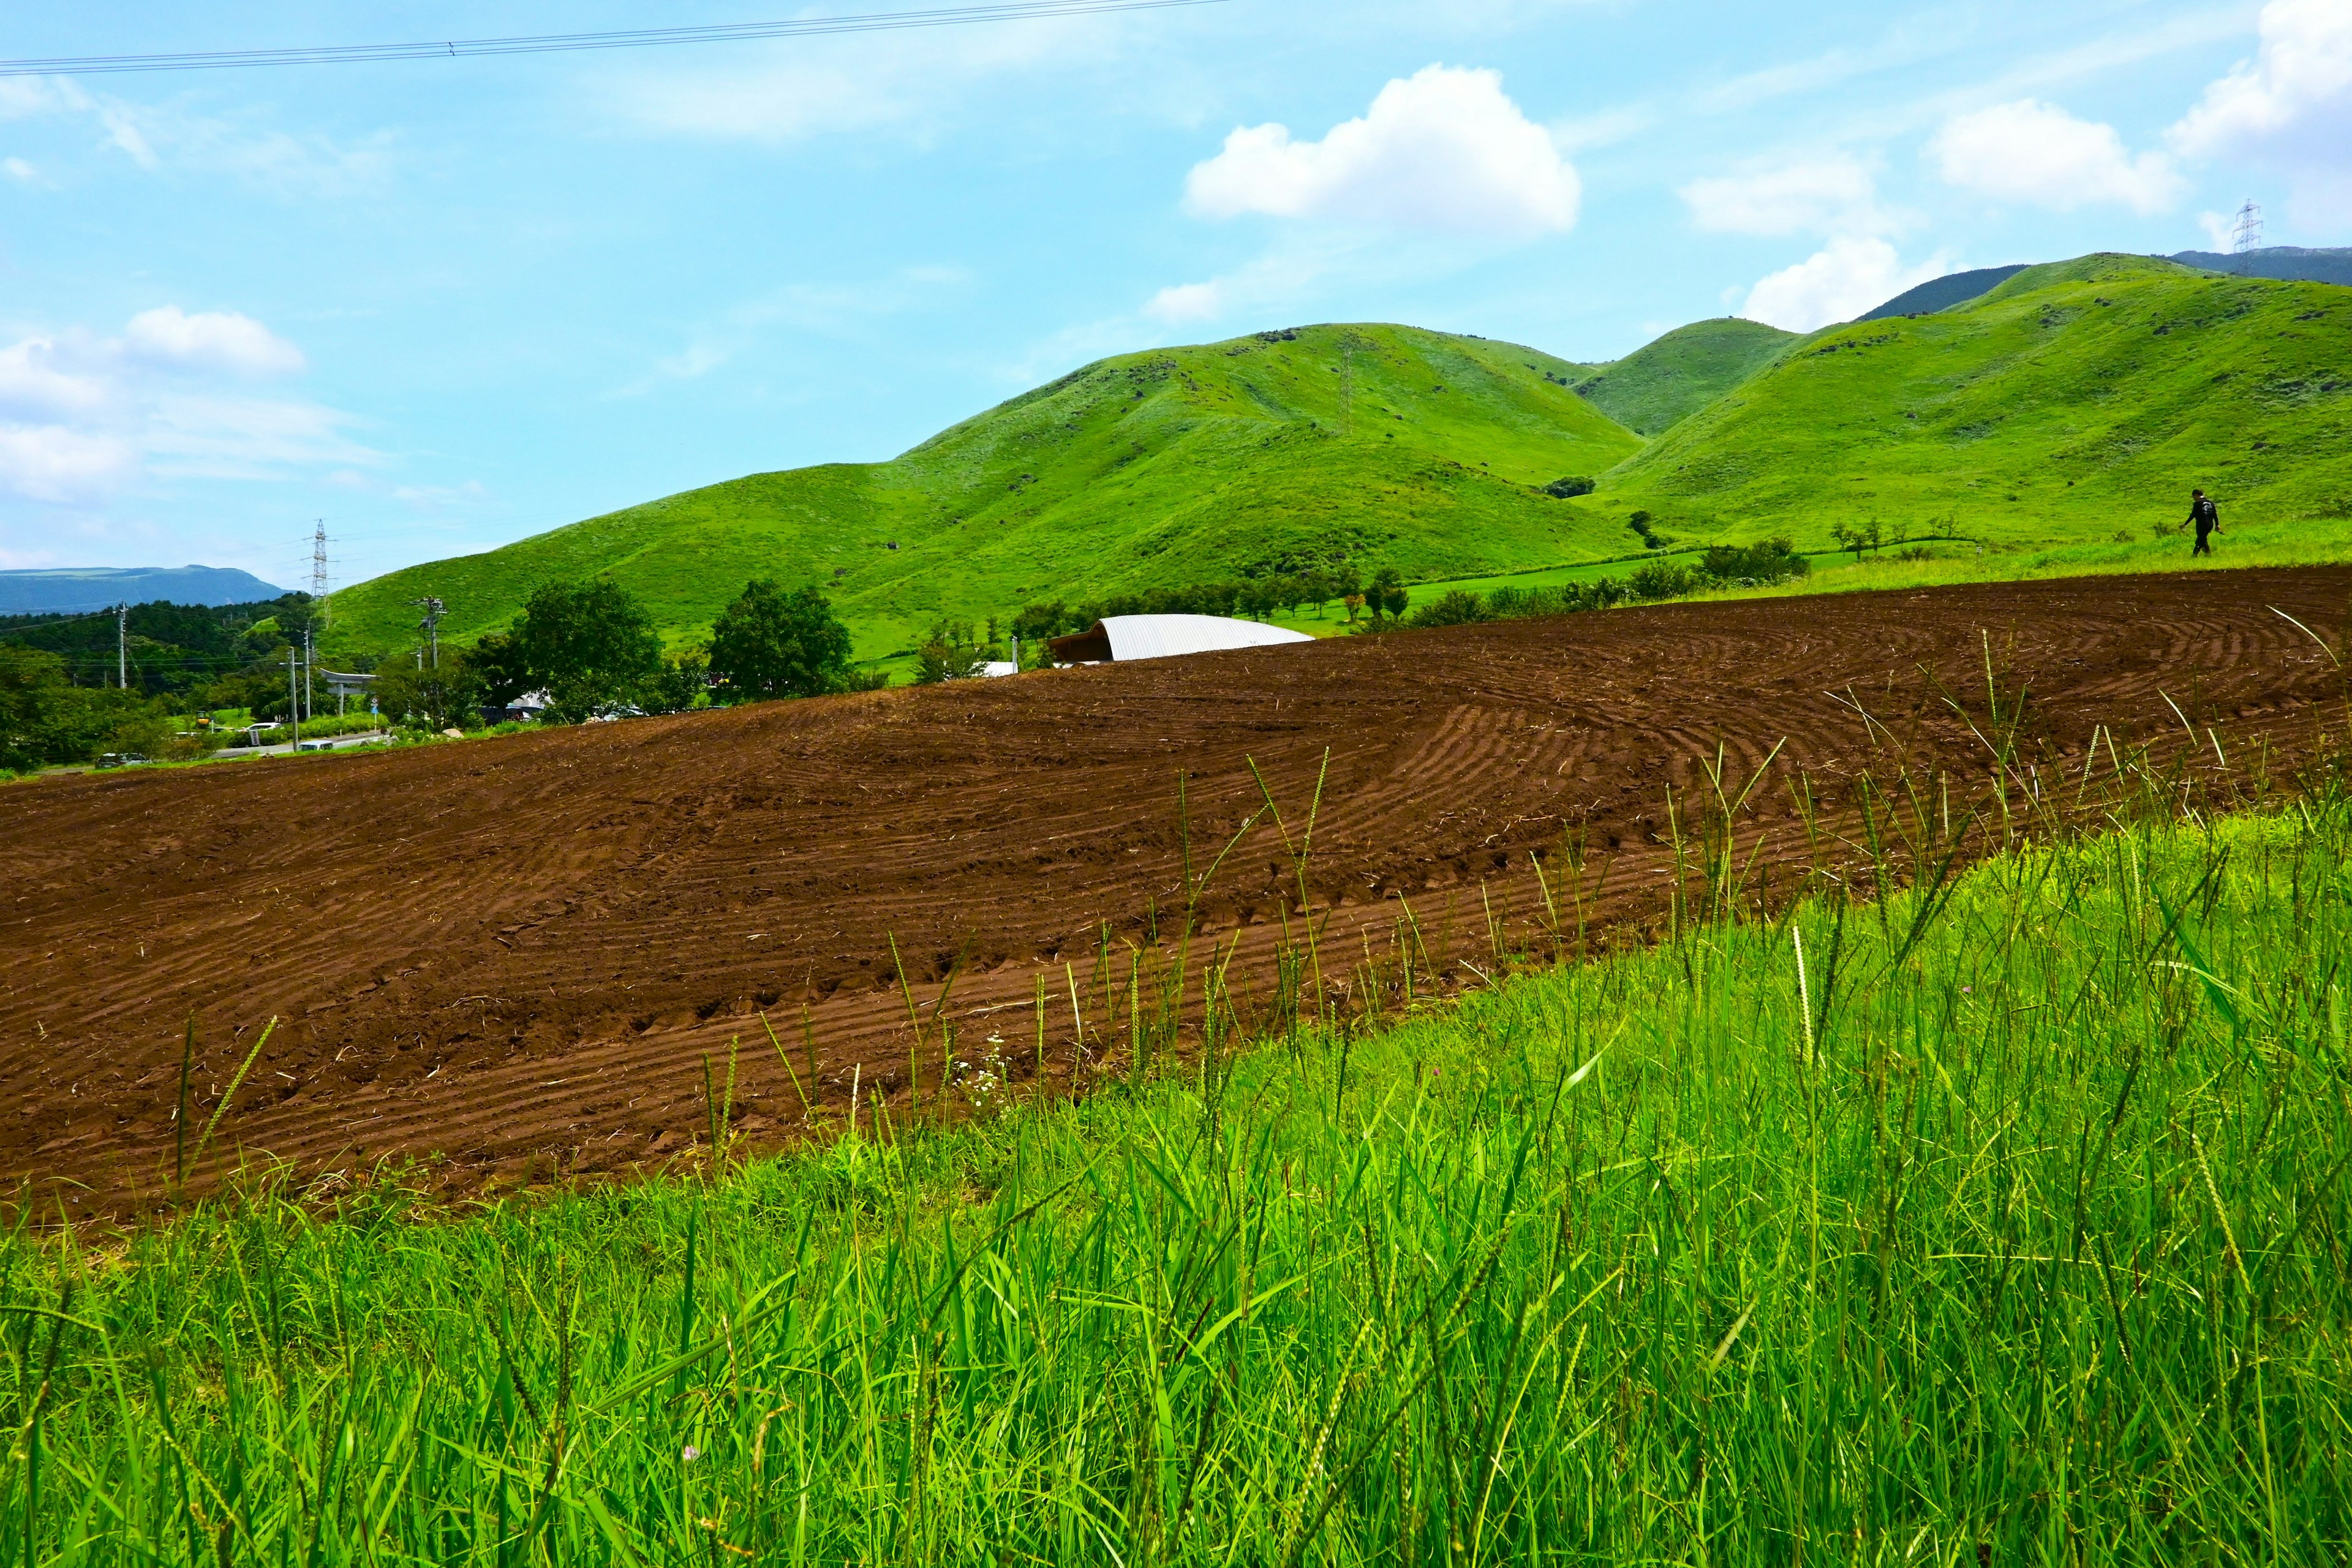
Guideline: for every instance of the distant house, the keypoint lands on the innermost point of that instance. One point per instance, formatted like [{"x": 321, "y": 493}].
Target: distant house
[{"x": 526, "y": 708}]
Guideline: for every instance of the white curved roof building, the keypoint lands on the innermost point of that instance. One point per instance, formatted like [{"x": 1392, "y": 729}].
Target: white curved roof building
[{"x": 1123, "y": 638}]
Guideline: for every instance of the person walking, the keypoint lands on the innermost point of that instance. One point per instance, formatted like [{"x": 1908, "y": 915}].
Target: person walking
[{"x": 2207, "y": 518}]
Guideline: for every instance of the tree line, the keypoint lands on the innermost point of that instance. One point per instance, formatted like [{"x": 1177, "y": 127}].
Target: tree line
[
  {"x": 75, "y": 687},
  {"x": 594, "y": 651},
  {"x": 1725, "y": 566},
  {"x": 1377, "y": 599}
]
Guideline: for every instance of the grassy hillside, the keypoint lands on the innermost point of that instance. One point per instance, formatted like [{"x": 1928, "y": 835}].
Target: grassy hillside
[
  {"x": 2074, "y": 402},
  {"x": 1680, "y": 374},
  {"x": 1382, "y": 445}
]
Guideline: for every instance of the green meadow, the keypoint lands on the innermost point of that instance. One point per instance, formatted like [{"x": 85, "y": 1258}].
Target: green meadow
[
  {"x": 1997, "y": 1219},
  {"x": 1665, "y": 382},
  {"x": 1156, "y": 469},
  {"x": 2074, "y": 401},
  {"x": 2055, "y": 420}
]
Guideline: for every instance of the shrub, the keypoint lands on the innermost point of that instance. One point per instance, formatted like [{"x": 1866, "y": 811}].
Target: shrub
[
  {"x": 1662, "y": 580},
  {"x": 1754, "y": 566},
  {"x": 949, "y": 653},
  {"x": 1452, "y": 608},
  {"x": 1572, "y": 485}
]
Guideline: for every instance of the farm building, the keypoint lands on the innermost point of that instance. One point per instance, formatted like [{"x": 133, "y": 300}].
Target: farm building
[{"x": 1124, "y": 637}]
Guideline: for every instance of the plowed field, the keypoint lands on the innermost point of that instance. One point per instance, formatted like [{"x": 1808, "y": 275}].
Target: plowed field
[{"x": 514, "y": 955}]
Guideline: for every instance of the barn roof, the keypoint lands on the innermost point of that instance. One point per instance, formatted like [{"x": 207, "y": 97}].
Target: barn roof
[{"x": 1125, "y": 637}]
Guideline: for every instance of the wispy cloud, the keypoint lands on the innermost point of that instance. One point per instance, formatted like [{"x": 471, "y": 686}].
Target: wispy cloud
[
  {"x": 826, "y": 309},
  {"x": 85, "y": 417}
]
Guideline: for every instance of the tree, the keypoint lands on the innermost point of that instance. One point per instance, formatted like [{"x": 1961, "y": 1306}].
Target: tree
[
  {"x": 1572, "y": 485},
  {"x": 1315, "y": 589},
  {"x": 770, "y": 643},
  {"x": 1386, "y": 594},
  {"x": 948, "y": 654},
  {"x": 591, "y": 645},
  {"x": 1855, "y": 539},
  {"x": 45, "y": 719},
  {"x": 432, "y": 699},
  {"x": 1348, "y": 587}
]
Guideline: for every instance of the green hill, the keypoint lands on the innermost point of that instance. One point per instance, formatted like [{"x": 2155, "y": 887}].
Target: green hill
[
  {"x": 2072, "y": 398},
  {"x": 1382, "y": 445},
  {"x": 1676, "y": 375}
]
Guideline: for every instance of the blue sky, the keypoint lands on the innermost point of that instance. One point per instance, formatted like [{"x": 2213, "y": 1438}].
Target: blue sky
[{"x": 444, "y": 303}]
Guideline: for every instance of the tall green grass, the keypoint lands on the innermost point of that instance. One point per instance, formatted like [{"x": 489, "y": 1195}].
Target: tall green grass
[{"x": 2000, "y": 1220}]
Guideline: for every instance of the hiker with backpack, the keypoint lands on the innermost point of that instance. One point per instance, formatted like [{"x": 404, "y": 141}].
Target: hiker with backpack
[{"x": 2207, "y": 518}]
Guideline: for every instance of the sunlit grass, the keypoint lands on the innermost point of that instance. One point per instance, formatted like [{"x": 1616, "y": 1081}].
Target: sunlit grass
[{"x": 2000, "y": 1221}]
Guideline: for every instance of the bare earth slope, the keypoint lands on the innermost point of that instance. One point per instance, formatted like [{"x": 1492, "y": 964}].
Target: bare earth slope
[{"x": 515, "y": 953}]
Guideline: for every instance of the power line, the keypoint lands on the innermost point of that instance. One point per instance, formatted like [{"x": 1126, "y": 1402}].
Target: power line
[{"x": 554, "y": 43}]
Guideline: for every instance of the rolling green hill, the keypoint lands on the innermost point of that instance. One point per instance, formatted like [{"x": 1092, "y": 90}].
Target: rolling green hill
[
  {"x": 2074, "y": 399},
  {"x": 1382, "y": 445},
  {"x": 1674, "y": 377}
]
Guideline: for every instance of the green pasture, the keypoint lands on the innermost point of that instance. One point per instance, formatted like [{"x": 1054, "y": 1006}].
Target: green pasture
[
  {"x": 1149, "y": 470},
  {"x": 2073, "y": 401}
]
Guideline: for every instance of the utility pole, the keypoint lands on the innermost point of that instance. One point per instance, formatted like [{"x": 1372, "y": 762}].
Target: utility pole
[
  {"x": 319, "y": 571},
  {"x": 293, "y": 695},
  {"x": 309, "y": 662},
  {"x": 122, "y": 646},
  {"x": 430, "y": 625}
]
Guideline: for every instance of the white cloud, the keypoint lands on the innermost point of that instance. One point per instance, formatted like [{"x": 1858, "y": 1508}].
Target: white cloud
[
  {"x": 1278, "y": 281},
  {"x": 84, "y": 417},
  {"x": 2220, "y": 228},
  {"x": 210, "y": 339},
  {"x": 1187, "y": 303},
  {"x": 2289, "y": 107},
  {"x": 2033, "y": 151},
  {"x": 1834, "y": 194},
  {"x": 1850, "y": 275},
  {"x": 55, "y": 463},
  {"x": 42, "y": 379},
  {"x": 791, "y": 91},
  {"x": 2297, "y": 88},
  {"x": 18, "y": 169},
  {"x": 1442, "y": 150}
]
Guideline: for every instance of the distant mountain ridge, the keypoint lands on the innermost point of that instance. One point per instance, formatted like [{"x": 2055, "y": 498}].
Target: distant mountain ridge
[
  {"x": 2288, "y": 263},
  {"x": 70, "y": 590},
  {"x": 1943, "y": 293}
]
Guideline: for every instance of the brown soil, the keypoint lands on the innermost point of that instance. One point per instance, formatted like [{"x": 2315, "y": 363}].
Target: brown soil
[{"x": 514, "y": 954}]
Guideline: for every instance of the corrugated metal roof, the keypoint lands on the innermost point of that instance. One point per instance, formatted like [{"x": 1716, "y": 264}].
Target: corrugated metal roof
[{"x": 1158, "y": 637}]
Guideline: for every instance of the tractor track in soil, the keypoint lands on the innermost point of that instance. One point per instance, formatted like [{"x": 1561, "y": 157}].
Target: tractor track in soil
[{"x": 513, "y": 956}]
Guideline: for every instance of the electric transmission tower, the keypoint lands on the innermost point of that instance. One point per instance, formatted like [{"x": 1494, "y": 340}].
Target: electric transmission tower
[
  {"x": 319, "y": 571},
  {"x": 2246, "y": 233}
]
